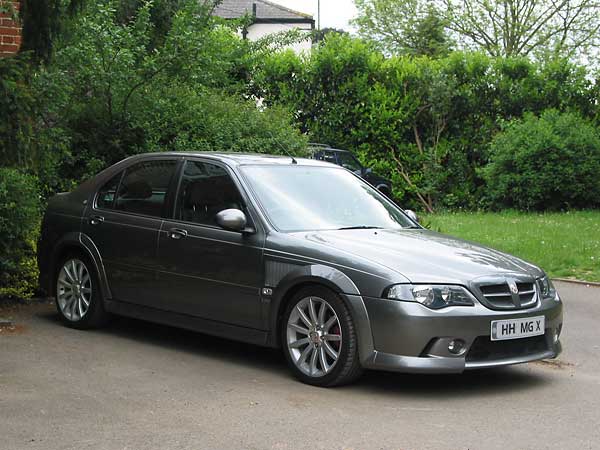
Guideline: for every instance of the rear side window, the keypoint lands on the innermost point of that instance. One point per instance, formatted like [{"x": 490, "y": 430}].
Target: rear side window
[
  {"x": 107, "y": 193},
  {"x": 206, "y": 189},
  {"x": 143, "y": 189}
]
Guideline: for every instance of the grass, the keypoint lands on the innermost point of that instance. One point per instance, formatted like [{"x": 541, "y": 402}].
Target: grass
[{"x": 565, "y": 245}]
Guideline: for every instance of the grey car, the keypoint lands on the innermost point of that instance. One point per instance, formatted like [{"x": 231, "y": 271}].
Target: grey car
[{"x": 298, "y": 254}]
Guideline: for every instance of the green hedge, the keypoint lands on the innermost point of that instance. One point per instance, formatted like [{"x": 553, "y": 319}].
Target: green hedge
[
  {"x": 19, "y": 227},
  {"x": 551, "y": 162}
]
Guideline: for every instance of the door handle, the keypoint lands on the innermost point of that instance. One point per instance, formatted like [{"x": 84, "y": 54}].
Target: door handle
[
  {"x": 96, "y": 220},
  {"x": 177, "y": 233}
]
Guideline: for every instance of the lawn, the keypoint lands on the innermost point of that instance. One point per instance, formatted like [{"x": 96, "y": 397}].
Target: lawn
[{"x": 565, "y": 245}]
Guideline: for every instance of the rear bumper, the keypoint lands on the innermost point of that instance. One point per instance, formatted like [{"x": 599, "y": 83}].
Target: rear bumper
[{"x": 409, "y": 337}]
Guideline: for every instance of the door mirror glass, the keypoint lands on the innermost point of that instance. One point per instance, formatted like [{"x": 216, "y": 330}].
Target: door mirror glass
[
  {"x": 231, "y": 219},
  {"x": 410, "y": 213}
]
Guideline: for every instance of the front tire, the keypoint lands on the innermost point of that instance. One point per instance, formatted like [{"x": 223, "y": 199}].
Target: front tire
[
  {"x": 319, "y": 339},
  {"x": 77, "y": 289}
]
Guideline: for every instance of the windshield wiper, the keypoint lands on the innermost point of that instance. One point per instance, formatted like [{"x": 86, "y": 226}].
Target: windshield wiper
[{"x": 361, "y": 227}]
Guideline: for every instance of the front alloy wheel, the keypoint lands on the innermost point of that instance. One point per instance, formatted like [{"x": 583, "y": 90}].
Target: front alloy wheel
[
  {"x": 314, "y": 336},
  {"x": 319, "y": 339}
]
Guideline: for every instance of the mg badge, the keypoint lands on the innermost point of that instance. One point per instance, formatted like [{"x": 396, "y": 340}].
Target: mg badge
[{"x": 513, "y": 287}]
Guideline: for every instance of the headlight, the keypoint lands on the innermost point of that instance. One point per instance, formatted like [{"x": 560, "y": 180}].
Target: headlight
[
  {"x": 433, "y": 296},
  {"x": 547, "y": 289}
]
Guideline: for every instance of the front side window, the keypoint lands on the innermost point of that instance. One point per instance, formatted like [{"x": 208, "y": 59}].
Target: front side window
[
  {"x": 349, "y": 161},
  {"x": 206, "y": 189},
  {"x": 143, "y": 189},
  {"x": 303, "y": 198}
]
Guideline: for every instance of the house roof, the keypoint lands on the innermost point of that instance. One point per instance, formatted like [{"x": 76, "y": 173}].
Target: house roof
[{"x": 232, "y": 9}]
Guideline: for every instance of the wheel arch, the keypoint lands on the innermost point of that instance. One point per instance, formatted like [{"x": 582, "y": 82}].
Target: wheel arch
[
  {"x": 332, "y": 279},
  {"x": 78, "y": 242}
]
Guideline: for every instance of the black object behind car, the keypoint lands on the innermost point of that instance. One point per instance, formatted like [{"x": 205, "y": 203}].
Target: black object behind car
[{"x": 348, "y": 160}]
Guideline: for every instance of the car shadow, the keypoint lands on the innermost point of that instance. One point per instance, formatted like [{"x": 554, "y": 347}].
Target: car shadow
[{"x": 470, "y": 383}]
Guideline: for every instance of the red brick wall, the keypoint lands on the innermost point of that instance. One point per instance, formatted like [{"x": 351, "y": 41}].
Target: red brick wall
[{"x": 10, "y": 33}]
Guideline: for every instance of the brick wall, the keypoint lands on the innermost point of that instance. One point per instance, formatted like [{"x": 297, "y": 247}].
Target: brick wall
[{"x": 10, "y": 33}]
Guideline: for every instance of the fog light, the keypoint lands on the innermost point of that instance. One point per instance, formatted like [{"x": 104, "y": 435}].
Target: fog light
[{"x": 456, "y": 346}]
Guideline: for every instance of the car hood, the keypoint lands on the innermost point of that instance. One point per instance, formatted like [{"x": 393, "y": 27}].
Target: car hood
[{"x": 423, "y": 256}]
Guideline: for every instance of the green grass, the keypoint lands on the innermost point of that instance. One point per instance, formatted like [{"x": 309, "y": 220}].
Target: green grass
[{"x": 565, "y": 245}]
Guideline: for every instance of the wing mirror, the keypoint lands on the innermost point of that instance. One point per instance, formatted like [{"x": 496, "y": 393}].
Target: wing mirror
[
  {"x": 232, "y": 220},
  {"x": 410, "y": 213}
]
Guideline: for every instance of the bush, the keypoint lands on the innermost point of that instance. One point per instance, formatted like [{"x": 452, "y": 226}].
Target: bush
[
  {"x": 549, "y": 162},
  {"x": 19, "y": 226}
]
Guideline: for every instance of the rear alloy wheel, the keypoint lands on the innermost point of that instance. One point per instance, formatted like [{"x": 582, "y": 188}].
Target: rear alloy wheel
[
  {"x": 319, "y": 339},
  {"x": 77, "y": 301}
]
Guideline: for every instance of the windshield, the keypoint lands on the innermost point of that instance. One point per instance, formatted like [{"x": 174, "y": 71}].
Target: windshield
[{"x": 302, "y": 198}]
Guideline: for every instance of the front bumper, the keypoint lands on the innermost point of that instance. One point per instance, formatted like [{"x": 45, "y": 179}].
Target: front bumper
[{"x": 410, "y": 337}]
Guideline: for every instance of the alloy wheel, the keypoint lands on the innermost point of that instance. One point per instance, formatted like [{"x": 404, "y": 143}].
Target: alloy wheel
[
  {"x": 314, "y": 336},
  {"x": 74, "y": 289}
]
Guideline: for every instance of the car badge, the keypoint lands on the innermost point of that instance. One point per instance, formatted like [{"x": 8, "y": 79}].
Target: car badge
[{"x": 513, "y": 287}]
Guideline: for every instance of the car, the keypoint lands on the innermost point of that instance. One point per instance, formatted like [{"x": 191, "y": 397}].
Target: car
[
  {"x": 296, "y": 254},
  {"x": 347, "y": 159}
]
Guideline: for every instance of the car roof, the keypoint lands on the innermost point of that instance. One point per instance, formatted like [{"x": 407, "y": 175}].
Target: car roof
[{"x": 239, "y": 159}]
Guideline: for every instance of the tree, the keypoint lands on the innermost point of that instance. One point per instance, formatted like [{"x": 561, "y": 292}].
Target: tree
[
  {"x": 406, "y": 27},
  {"x": 539, "y": 28},
  {"x": 561, "y": 28}
]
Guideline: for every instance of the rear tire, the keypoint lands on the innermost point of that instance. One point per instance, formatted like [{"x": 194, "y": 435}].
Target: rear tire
[
  {"x": 79, "y": 300},
  {"x": 319, "y": 339}
]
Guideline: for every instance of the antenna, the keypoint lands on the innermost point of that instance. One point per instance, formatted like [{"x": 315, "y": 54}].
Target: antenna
[{"x": 285, "y": 150}]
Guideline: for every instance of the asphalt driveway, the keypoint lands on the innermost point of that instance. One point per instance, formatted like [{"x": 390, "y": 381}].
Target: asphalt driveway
[{"x": 136, "y": 386}]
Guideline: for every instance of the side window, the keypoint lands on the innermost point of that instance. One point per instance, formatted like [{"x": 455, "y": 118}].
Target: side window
[
  {"x": 349, "y": 161},
  {"x": 205, "y": 190},
  {"x": 327, "y": 157},
  {"x": 107, "y": 193},
  {"x": 144, "y": 187}
]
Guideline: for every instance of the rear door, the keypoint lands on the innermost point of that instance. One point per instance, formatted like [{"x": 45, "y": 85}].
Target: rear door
[
  {"x": 207, "y": 271},
  {"x": 124, "y": 223}
]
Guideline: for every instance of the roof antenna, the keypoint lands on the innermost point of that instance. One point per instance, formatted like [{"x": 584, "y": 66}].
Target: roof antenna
[{"x": 285, "y": 150}]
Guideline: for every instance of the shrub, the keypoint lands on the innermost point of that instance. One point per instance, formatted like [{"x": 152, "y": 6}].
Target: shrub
[
  {"x": 19, "y": 225},
  {"x": 549, "y": 162}
]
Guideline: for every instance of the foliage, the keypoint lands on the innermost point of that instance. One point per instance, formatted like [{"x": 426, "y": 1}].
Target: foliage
[
  {"x": 424, "y": 123},
  {"x": 562, "y": 29},
  {"x": 526, "y": 27},
  {"x": 408, "y": 27},
  {"x": 546, "y": 163},
  {"x": 19, "y": 222},
  {"x": 565, "y": 244}
]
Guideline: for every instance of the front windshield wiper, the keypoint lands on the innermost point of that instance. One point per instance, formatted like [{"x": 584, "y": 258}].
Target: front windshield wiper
[{"x": 361, "y": 227}]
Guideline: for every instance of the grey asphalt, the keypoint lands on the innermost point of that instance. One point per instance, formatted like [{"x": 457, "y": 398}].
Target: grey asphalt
[{"x": 135, "y": 385}]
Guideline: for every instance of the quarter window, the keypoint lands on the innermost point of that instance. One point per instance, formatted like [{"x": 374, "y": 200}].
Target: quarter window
[
  {"x": 206, "y": 189},
  {"x": 144, "y": 187},
  {"x": 107, "y": 193}
]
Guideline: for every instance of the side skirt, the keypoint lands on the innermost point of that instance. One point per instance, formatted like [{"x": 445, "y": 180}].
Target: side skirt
[{"x": 220, "y": 329}]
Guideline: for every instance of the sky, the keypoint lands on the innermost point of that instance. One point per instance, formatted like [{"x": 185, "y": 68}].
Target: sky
[{"x": 334, "y": 13}]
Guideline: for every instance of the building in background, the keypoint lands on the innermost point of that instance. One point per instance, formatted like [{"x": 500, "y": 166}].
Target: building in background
[
  {"x": 267, "y": 18},
  {"x": 10, "y": 30}
]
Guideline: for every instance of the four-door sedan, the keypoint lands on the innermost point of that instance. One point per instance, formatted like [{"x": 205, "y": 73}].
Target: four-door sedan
[{"x": 298, "y": 254}]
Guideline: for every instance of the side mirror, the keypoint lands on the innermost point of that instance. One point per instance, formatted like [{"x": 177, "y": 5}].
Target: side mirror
[
  {"x": 410, "y": 213},
  {"x": 367, "y": 171},
  {"x": 232, "y": 220}
]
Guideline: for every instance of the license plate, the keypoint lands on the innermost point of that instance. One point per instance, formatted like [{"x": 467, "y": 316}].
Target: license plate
[{"x": 517, "y": 328}]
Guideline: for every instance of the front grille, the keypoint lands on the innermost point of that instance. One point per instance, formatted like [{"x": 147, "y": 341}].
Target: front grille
[
  {"x": 483, "y": 349},
  {"x": 499, "y": 296}
]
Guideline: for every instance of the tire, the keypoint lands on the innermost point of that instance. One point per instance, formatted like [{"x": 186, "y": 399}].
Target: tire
[
  {"x": 75, "y": 284},
  {"x": 332, "y": 333}
]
